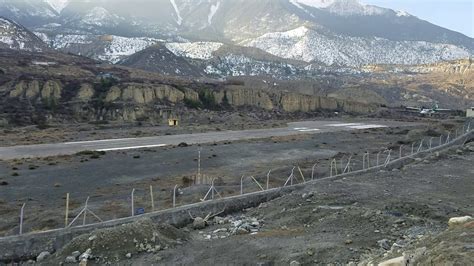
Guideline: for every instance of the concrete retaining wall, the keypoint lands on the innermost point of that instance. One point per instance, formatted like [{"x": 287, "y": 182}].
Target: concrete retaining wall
[{"x": 28, "y": 246}]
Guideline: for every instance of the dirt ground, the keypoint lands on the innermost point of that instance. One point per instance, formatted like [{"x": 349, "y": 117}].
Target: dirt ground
[
  {"x": 109, "y": 178},
  {"x": 364, "y": 219}
]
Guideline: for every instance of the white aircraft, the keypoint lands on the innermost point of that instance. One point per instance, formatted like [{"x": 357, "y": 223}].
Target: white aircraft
[{"x": 429, "y": 111}]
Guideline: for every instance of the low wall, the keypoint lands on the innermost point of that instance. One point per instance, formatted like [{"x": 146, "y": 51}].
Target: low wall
[{"x": 28, "y": 246}]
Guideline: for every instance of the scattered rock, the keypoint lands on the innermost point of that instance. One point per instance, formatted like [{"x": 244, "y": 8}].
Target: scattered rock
[
  {"x": 70, "y": 259},
  {"x": 76, "y": 254},
  {"x": 199, "y": 223},
  {"x": 183, "y": 144},
  {"x": 128, "y": 255},
  {"x": 399, "y": 261},
  {"x": 92, "y": 238},
  {"x": 384, "y": 243},
  {"x": 307, "y": 195},
  {"x": 86, "y": 255},
  {"x": 457, "y": 221},
  {"x": 42, "y": 256},
  {"x": 348, "y": 242},
  {"x": 295, "y": 263}
]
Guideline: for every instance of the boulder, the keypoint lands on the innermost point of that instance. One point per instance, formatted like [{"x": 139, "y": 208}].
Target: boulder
[
  {"x": 42, "y": 256},
  {"x": 399, "y": 261},
  {"x": 199, "y": 223},
  {"x": 70, "y": 259},
  {"x": 86, "y": 255},
  {"x": 457, "y": 221}
]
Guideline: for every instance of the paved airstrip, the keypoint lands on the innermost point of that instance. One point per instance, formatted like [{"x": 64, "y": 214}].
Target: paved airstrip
[{"x": 69, "y": 148}]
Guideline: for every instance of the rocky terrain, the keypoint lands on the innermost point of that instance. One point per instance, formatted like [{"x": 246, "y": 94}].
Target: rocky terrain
[
  {"x": 325, "y": 33},
  {"x": 401, "y": 214},
  {"x": 55, "y": 87}
]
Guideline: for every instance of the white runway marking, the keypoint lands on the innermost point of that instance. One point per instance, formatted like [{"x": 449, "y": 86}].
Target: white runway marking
[
  {"x": 345, "y": 125},
  {"x": 367, "y": 126},
  {"x": 133, "y": 147},
  {"x": 300, "y": 128},
  {"x": 101, "y": 140},
  {"x": 308, "y": 130}
]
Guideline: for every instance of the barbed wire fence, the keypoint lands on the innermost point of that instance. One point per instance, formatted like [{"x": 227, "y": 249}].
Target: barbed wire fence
[{"x": 208, "y": 188}]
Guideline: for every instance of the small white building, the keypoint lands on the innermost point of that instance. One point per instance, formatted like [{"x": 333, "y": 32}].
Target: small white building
[{"x": 470, "y": 112}]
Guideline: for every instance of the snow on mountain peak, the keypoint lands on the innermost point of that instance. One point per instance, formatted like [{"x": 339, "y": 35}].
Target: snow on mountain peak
[
  {"x": 402, "y": 14},
  {"x": 99, "y": 16},
  {"x": 197, "y": 50},
  {"x": 58, "y": 5},
  {"x": 340, "y": 7},
  {"x": 178, "y": 14},
  {"x": 212, "y": 12},
  {"x": 316, "y": 3}
]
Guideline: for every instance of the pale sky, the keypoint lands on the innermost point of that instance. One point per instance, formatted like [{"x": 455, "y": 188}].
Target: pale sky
[{"x": 457, "y": 15}]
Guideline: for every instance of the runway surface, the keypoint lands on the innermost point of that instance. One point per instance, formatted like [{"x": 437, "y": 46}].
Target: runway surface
[{"x": 69, "y": 148}]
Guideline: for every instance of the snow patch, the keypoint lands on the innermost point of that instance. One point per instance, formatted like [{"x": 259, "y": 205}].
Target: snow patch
[
  {"x": 402, "y": 14},
  {"x": 180, "y": 19},
  {"x": 58, "y": 5},
  {"x": 314, "y": 3},
  {"x": 196, "y": 50},
  {"x": 337, "y": 50},
  {"x": 99, "y": 16},
  {"x": 212, "y": 12}
]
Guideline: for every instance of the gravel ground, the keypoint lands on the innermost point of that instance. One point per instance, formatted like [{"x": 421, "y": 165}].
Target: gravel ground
[{"x": 362, "y": 219}]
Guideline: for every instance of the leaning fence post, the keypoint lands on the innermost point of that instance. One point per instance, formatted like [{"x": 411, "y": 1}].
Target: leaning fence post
[
  {"x": 291, "y": 176},
  {"x": 378, "y": 157},
  {"x": 312, "y": 172},
  {"x": 66, "y": 218},
  {"x": 301, "y": 173},
  {"x": 21, "y": 218},
  {"x": 363, "y": 160},
  {"x": 420, "y": 148},
  {"x": 400, "y": 153},
  {"x": 348, "y": 166},
  {"x": 133, "y": 203},
  {"x": 212, "y": 189},
  {"x": 431, "y": 142},
  {"x": 85, "y": 212},
  {"x": 174, "y": 196},
  {"x": 152, "y": 199},
  {"x": 366, "y": 155},
  {"x": 268, "y": 178},
  {"x": 388, "y": 157},
  {"x": 413, "y": 148},
  {"x": 447, "y": 138},
  {"x": 242, "y": 185}
]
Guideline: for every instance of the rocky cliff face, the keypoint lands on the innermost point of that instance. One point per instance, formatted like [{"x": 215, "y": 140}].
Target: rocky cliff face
[
  {"x": 462, "y": 66},
  {"x": 138, "y": 101}
]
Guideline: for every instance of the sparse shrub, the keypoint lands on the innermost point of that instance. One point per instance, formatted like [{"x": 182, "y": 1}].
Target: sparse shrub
[
  {"x": 192, "y": 103},
  {"x": 207, "y": 99}
]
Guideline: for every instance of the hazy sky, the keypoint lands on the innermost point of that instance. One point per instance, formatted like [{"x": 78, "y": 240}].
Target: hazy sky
[{"x": 457, "y": 15}]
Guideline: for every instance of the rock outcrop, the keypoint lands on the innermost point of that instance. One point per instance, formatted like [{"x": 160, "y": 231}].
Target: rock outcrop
[
  {"x": 32, "y": 89},
  {"x": 143, "y": 101}
]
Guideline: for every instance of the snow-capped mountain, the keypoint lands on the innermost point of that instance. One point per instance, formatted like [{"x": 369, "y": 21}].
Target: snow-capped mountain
[
  {"x": 58, "y": 5},
  {"x": 335, "y": 49},
  {"x": 108, "y": 48},
  {"x": 17, "y": 37},
  {"x": 325, "y": 32}
]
